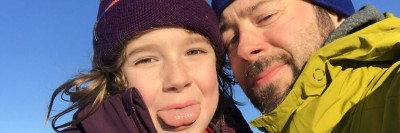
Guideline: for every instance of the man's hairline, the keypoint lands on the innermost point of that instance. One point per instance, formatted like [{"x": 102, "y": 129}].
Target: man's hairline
[{"x": 223, "y": 26}]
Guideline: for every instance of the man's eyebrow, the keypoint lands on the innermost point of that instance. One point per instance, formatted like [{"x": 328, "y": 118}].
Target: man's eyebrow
[
  {"x": 223, "y": 26},
  {"x": 250, "y": 9}
]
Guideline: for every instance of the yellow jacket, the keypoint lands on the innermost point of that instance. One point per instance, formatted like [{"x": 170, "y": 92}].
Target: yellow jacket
[{"x": 349, "y": 85}]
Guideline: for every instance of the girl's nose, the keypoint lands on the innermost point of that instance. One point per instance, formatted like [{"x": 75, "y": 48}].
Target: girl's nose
[{"x": 176, "y": 77}]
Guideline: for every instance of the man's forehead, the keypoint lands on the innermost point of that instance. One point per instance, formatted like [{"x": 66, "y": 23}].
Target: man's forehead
[
  {"x": 243, "y": 8},
  {"x": 239, "y": 9}
]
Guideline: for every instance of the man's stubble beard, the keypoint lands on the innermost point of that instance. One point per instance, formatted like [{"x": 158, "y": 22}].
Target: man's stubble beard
[{"x": 268, "y": 97}]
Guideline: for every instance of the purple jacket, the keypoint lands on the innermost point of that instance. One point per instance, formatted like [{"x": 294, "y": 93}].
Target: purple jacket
[
  {"x": 127, "y": 113},
  {"x": 120, "y": 113}
]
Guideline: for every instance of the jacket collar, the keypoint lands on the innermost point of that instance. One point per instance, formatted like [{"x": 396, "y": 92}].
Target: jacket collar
[{"x": 123, "y": 112}]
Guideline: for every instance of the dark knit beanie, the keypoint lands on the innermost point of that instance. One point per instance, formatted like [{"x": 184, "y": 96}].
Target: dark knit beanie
[
  {"x": 341, "y": 7},
  {"x": 118, "y": 21}
]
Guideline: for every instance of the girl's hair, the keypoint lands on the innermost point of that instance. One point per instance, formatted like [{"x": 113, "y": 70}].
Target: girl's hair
[{"x": 89, "y": 90}]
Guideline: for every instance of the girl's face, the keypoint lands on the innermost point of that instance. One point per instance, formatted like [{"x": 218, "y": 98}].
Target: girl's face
[{"x": 175, "y": 72}]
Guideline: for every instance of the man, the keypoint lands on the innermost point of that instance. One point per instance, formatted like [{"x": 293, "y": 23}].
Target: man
[{"x": 315, "y": 65}]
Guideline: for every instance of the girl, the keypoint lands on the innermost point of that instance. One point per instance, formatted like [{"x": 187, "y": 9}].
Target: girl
[{"x": 157, "y": 67}]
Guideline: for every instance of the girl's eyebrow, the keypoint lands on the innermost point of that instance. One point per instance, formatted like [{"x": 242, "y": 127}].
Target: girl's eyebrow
[
  {"x": 147, "y": 47},
  {"x": 195, "y": 38}
]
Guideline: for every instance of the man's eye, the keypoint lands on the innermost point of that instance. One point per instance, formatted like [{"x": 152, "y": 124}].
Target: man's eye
[
  {"x": 195, "y": 52},
  {"x": 267, "y": 20},
  {"x": 145, "y": 61},
  {"x": 263, "y": 19},
  {"x": 234, "y": 40},
  {"x": 233, "y": 43}
]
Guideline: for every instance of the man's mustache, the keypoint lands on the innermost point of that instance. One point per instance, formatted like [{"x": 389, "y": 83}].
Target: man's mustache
[{"x": 262, "y": 63}]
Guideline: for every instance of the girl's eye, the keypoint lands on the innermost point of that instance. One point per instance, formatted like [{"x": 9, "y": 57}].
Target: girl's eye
[
  {"x": 145, "y": 61},
  {"x": 195, "y": 52}
]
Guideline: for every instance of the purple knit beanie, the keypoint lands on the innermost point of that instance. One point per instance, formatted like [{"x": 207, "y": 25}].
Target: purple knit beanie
[
  {"x": 342, "y": 7},
  {"x": 120, "y": 20}
]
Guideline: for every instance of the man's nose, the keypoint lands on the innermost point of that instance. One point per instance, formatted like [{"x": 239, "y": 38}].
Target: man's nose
[
  {"x": 176, "y": 77},
  {"x": 251, "y": 45}
]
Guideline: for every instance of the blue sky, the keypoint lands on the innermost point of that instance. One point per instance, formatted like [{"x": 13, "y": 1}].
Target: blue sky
[{"x": 46, "y": 42}]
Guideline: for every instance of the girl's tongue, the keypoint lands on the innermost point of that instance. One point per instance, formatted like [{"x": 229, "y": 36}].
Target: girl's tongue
[{"x": 177, "y": 117}]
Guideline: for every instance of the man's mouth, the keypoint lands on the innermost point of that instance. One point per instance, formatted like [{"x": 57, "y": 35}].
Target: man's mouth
[{"x": 267, "y": 76}]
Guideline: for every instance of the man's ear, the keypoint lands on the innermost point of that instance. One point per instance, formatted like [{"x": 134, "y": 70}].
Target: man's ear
[{"x": 336, "y": 18}]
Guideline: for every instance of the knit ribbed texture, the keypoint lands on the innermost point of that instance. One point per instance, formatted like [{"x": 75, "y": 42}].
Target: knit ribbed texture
[
  {"x": 342, "y": 7},
  {"x": 120, "y": 22},
  {"x": 220, "y": 5}
]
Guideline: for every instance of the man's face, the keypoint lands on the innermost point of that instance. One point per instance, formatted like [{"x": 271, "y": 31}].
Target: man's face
[{"x": 268, "y": 42}]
